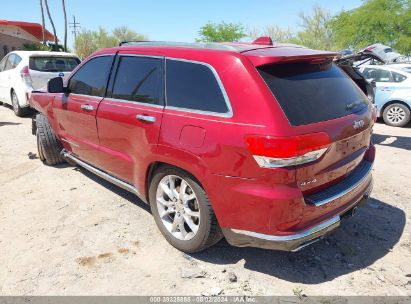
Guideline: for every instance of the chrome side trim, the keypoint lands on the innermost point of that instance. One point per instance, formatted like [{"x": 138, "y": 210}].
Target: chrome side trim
[
  {"x": 228, "y": 114},
  {"x": 344, "y": 192},
  {"x": 334, "y": 221},
  {"x": 102, "y": 174}
]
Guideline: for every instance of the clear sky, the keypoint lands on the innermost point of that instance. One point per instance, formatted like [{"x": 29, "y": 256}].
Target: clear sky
[{"x": 172, "y": 20}]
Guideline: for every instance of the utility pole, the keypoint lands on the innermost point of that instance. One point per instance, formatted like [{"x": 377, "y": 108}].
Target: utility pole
[{"x": 74, "y": 26}]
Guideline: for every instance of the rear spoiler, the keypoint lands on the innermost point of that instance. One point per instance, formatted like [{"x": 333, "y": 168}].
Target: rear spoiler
[{"x": 265, "y": 56}]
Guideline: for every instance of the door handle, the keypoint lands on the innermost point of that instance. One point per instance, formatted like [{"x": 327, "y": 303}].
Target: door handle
[
  {"x": 146, "y": 118},
  {"x": 87, "y": 107}
]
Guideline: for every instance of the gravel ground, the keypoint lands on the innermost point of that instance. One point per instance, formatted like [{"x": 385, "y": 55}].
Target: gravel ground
[{"x": 64, "y": 231}]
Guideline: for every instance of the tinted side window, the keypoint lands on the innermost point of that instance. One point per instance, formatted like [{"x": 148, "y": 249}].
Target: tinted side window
[
  {"x": 193, "y": 86},
  {"x": 383, "y": 76},
  {"x": 91, "y": 78},
  {"x": 378, "y": 75},
  {"x": 139, "y": 79}
]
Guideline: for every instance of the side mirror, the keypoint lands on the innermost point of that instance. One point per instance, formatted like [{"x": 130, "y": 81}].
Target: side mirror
[{"x": 55, "y": 85}]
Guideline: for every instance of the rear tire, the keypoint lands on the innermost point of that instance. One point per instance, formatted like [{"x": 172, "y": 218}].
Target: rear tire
[
  {"x": 48, "y": 146},
  {"x": 396, "y": 115},
  {"x": 19, "y": 111},
  {"x": 197, "y": 227}
]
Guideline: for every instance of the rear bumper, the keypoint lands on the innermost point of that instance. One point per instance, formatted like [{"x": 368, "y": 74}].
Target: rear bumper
[{"x": 298, "y": 240}]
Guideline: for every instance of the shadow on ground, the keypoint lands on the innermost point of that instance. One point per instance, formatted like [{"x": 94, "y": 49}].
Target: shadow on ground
[
  {"x": 117, "y": 190},
  {"x": 8, "y": 123},
  {"x": 29, "y": 115},
  {"x": 402, "y": 142},
  {"x": 356, "y": 244}
]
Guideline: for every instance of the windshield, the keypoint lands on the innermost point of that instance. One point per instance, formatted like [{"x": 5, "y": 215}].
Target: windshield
[
  {"x": 310, "y": 93},
  {"x": 53, "y": 63}
]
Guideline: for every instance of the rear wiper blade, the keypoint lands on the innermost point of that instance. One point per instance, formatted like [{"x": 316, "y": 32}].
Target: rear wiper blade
[{"x": 352, "y": 105}]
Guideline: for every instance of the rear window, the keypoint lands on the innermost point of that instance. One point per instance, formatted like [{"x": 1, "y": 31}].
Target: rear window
[
  {"x": 310, "y": 93},
  {"x": 53, "y": 64}
]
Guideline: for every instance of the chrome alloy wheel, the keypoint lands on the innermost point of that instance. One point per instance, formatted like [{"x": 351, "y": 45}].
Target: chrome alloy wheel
[
  {"x": 395, "y": 114},
  {"x": 178, "y": 208}
]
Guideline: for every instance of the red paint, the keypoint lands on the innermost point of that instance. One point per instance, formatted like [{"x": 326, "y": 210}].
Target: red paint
[
  {"x": 34, "y": 29},
  {"x": 265, "y": 40},
  {"x": 213, "y": 149}
]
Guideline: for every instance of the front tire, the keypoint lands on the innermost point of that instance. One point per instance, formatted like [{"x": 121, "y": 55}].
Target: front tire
[
  {"x": 19, "y": 111},
  {"x": 396, "y": 115},
  {"x": 182, "y": 210},
  {"x": 48, "y": 146}
]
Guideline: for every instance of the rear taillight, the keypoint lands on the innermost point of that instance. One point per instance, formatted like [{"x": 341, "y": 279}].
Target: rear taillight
[
  {"x": 275, "y": 152},
  {"x": 25, "y": 75}
]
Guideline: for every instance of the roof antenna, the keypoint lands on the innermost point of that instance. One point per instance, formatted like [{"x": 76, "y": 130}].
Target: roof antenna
[{"x": 263, "y": 40}]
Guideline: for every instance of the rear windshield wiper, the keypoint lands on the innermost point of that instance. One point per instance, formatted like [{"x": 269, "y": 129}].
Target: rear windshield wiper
[{"x": 354, "y": 104}]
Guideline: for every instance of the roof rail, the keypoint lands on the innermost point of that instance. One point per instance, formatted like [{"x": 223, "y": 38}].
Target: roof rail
[
  {"x": 199, "y": 45},
  {"x": 134, "y": 41}
]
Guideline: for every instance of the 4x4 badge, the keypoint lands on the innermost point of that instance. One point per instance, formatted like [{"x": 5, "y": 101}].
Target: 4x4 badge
[{"x": 358, "y": 124}]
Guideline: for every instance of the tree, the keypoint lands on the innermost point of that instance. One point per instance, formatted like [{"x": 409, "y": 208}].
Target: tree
[
  {"x": 65, "y": 25},
  {"x": 88, "y": 41},
  {"x": 222, "y": 32},
  {"x": 123, "y": 33},
  {"x": 85, "y": 43},
  {"x": 316, "y": 30},
  {"x": 52, "y": 25},
  {"x": 276, "y": 33},
  {"x": 43, "y": 24},
  {"x": 375, "y": 21}
]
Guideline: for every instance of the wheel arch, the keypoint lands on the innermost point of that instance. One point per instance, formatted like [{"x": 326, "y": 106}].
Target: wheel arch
[{"x": 154, "y": 166}]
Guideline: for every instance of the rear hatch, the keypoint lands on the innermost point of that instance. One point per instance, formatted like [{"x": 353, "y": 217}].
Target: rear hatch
[
  {"x": 44, "y": 67},
  {"x": 324, "y": 107}
]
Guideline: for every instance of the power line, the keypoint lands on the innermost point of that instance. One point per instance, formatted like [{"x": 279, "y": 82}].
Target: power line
[{"x": 75, "y": 27}]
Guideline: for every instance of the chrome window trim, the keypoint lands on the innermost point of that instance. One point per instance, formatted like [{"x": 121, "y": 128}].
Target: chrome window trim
[
  {"x": 83, "y": 95},
  {"x": 227, "y": 114},
  {"x": 134, "y": 102},
  {"x": 131, "y": 101},
  {"x": 79, "y": 68}
]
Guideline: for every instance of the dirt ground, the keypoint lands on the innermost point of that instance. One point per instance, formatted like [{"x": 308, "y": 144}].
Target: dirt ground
[{"x": 64, "y": 231}]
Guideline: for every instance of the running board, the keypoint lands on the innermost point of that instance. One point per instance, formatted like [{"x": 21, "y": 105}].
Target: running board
[{"x": 101, "y": 173}]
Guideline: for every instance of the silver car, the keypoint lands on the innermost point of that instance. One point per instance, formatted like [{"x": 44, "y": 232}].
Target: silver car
[{"x": 393, "y": 93}]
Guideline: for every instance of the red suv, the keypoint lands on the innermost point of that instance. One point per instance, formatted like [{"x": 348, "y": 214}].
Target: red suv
[{"x": 266, "y": 145}]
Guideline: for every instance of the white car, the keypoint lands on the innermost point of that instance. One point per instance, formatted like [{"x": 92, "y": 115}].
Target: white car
[
  {"x": 24, "y": 71},
  {"x": 393, "y": 93},
  {"x": 406, "y": 67}
]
